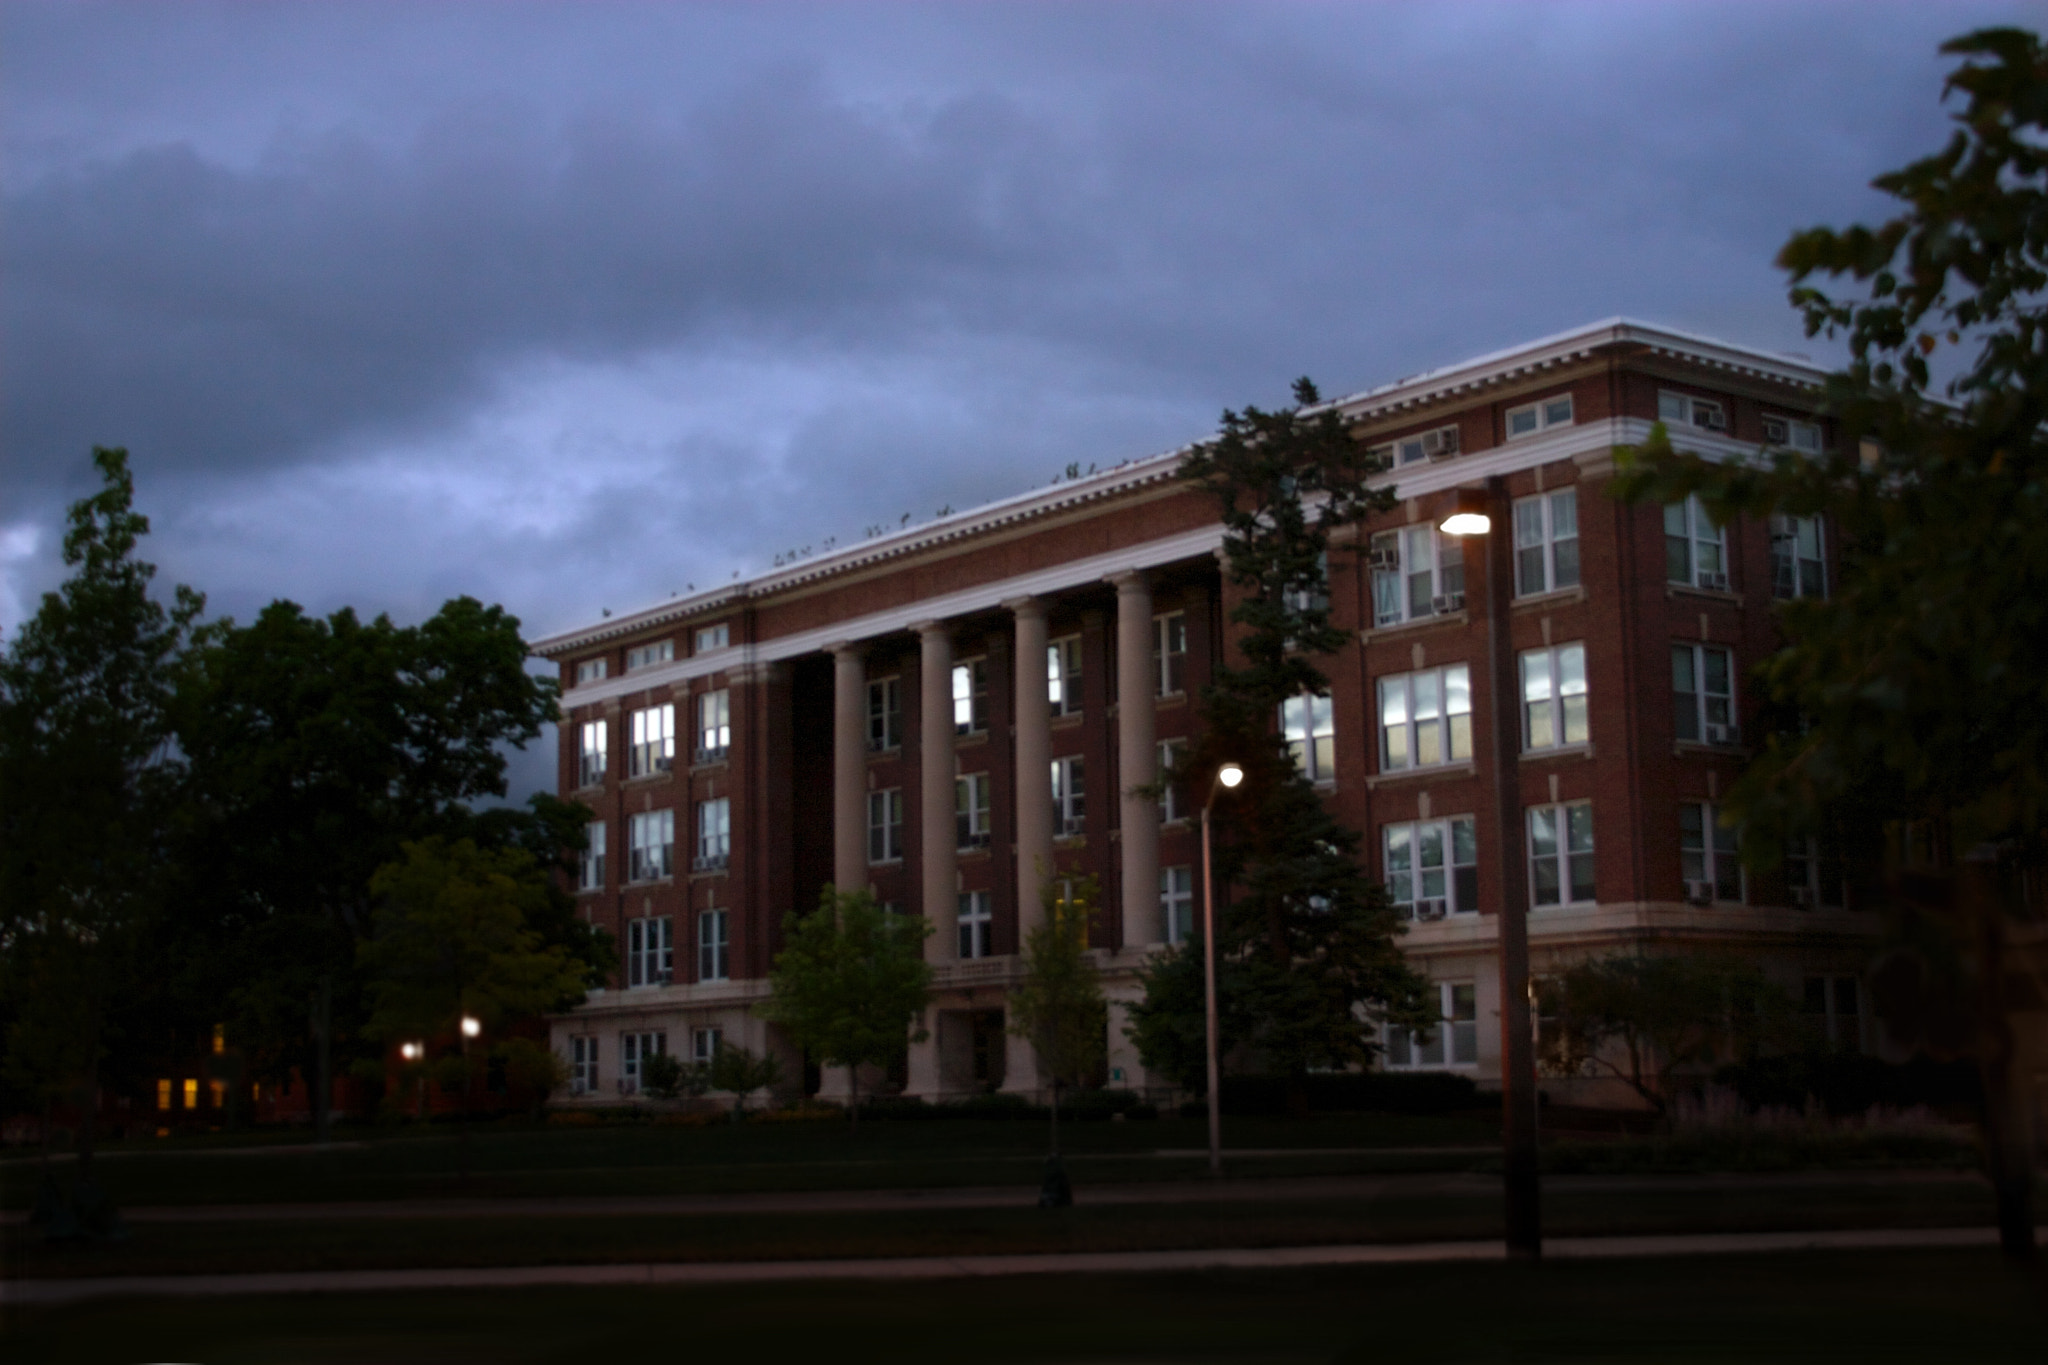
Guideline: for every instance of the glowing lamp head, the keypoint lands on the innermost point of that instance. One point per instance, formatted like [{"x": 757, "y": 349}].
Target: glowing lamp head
[
  {"x": 409, "y": 1051},
  {"x": 471, "y": 1026},
  {"x": 1471, "y": 517},
  {"x": 1230, "y": 774}
]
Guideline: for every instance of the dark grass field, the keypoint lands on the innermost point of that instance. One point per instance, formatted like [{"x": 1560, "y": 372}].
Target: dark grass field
[{"x": 1926, "y": 1308}]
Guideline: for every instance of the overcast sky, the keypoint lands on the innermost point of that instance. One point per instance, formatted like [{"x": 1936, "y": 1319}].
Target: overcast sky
[{"x": 571, "y": 306}]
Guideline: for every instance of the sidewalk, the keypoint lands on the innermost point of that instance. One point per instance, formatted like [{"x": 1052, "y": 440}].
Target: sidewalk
[{"x": 25, "y": 1293}]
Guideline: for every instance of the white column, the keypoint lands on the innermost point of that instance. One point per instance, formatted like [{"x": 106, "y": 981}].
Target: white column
[
  {"x": 849, "y": 768},
  {"x": 1034, "y": 762},
  {"x": 1137, "y": 760},
  {"x": 935, "y": 769}
]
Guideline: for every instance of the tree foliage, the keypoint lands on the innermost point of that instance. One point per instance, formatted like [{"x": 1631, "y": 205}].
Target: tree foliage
[
  {"x": 1058, "y": 1006},
  {"x": 1307, "y": 960},
  {"x": 849, "y": 981}
]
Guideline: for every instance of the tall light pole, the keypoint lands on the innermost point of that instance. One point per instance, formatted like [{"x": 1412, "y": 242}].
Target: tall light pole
[
  {"x": 1488, "y": 514},
  {"x": 1227, "y": 777}
]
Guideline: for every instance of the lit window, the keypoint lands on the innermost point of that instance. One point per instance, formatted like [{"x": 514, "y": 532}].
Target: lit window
[
  {"x": 1561, "y": 854},
  {"x": 975, "y": 921},
  {"x": 1703, "y": 694},
  {"x": 1069, "y": 796},
  {"x": 1455, "y": 1042},
  {"x": 970, "y": 697},
  {"x": 714, "y": 946},
  {"x": 634, "y": 1050},
  {"x": 1709, "y": 858},
  {"x": 218, "y": 1091},
  {"x": 1554, "y": 697},
  {"x": 191, "y": 1093},
  {"x": 1171, "y": 754},
  {"x": 582, "y": 1066},
  {"x": 1417, "y": 573},
  {"x": 1170, "y": 653},
  {"x": 650, "y": 952},
  {"x": 1694, "y": 550},
  {"x": 163, "y": 1094},
  {"x": 652, "y": 840},
  {"x": 1798, "y": 568},
  {"x": 714, "y": 725},
  {"x": 1177, "y": 902},
  {"x": 1426, "y": 718},
  {"x": 646, "y": 656},
  {"x": 712, "y": 637},
  {"x": 1788, "y": 433},
  {"x": 1547, "y": 542},
  {"x": 591, "y": 876},
  {"x": 1432, "y": 867},
  {"x": 885, "y": 825},
  {"x": 1684, "y": 410},
  {"x": 220, "y": 1039},
  {"x": 1063, "y": 675},
  {"x": 592, "y": 745},
  {"x": 885, "y": 715},
  {"x": 592, "y": 670},
  {"x": 714, "y": 834},
  {"x": 971, "y": 828},
  {"x": 1307, "y": 723},
  {"x": 654, "y": 741},
  {"x": 1530, "y": 418}
]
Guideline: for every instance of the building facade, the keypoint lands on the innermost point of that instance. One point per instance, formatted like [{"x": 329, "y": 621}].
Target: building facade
[{"x": 951, "y": 714}]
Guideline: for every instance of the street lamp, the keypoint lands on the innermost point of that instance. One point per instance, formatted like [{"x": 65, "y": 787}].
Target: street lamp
[
  {"x": 471, "y": 1026},
  {"x": 1227, "y": 778},
  {"x": 1487, "y": 512}
]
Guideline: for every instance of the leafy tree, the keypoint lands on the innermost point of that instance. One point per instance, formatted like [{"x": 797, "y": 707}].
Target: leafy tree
[
  {"x": 664, "y": 1076},
  {"x": 849, "y": 981},
  {"x": 1310, "y": 937},
  {"x": 1058, "y": 1005},
  {"x": 89, "y": 781},
  {"x": 1917, "y": 693},
  {"x": 740, "y": 1073},
  {"x": 1665, "y": 1013}
]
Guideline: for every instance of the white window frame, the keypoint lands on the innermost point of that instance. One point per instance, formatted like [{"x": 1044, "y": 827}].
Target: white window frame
[
  {"x": 1063, "y": 675},
  {"x": 1420, "y": 889},
  {"x": 1814, "y": 874},
  {"x": 714, "y": 944},
  {"x": 709, "y": 638},
  {"x": 1415, "y": 569},
  {"x": 1716, "y": 859},
  {"x": 1790, "y": 433},
  {"x": 1528, "y": 419},
  {"x": 1567, "y": 829},
  {"x": 1547, "y": 542},
  {"x": 1557, "y": 698},
  {"x": 975, "y": 919},
  {"x": 593, "y": 753},
  {"x": 714, "y": 725},
  {"x": 634, "y": 1048},
  {"x": 1701, "y": 715},
  {"x": 1177, "y": 902},
  {"x": 648, "y": 656},
  {"x": 1308, "y": 723},
  {"x": 1686, "y": 410},
  {"x": 650, "y": 951},
  {"x": 1695, "y": 550},
  {"x": 1447, "y": 732},
  {"x": 592, "y": 670},
  {"x": 714, "y": 835},
  {"x": 1069, "y": 796},
  {"x": 653, "y": 750},
  {"x": 1417, "y": 447},
  {"x": 970, "y": 696},
  {"x": 1169, "y": 653},
  {"x": 1799, "y": 561},
  {"x": 583, "y": 1068},
  {"x": 705, "y": 1043},
  {"x": 590, "y": 869},
  {"x": 1170, "y": 753},
  {"x": 885, "y": 826},
  {"x": 652, "y": 845},
  {"x": 973, "y": 824},
  {"x": 1453, "y": 1045},
  {"x": 885, "y": 714}
]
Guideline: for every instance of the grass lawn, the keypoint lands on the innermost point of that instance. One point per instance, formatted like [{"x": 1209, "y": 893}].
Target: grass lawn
[
  {"x": 1960, "y": 1307},
  {"x": 1404, "y": 1211}
]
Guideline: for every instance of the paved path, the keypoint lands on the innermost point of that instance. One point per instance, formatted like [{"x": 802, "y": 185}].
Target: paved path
[{"x": 22, "y": 1293}]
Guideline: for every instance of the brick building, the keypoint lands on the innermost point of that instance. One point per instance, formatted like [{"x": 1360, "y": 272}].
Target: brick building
[{"x": 941, "y": 713}]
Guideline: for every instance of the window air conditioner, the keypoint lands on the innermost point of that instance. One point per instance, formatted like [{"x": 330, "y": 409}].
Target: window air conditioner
[
  {"x": 1776, "y": 432},
  {"x": 1073, "y": 824},
  {"x": 1441, "y": 443},
  {"x": 1700, "y": 893},
  {"x": 1446, "y": 602},
  {"x": 1718, "y": 582},
  {"x": 709, "y": 862},
  {"x": 710, "y": 755},
  {"x": 1723, "y": 734},
  {"x": 1432, "y": 909},
  {"x": 1710, "y": 418},
  {"x": 1802, "y": 897}
]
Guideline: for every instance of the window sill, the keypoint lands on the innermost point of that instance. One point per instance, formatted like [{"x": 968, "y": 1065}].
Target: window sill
[
  {"x": 597, "y": 787},
  {"x": 648, "y": 779},
  {"x": 1680, "y": 748},
  {"x": 1463, "y": 768},
  {"x": 1673, "y": 591},
  {"x": 1556, "y": 597},
  {"x": 1567, "y": 905},
  {"x": 646, "y": 882},
  {"x": 885, "y": 864},
  {"x": 1375, "y": 634},
  {"x": 884, "y": 755},
  {"x": 971, "y": 853},
  {"x": 710, "y": 872},
  {"x": 1067, "y": 720},
  {"x": 970, "y": 739},
  {"x": 1170, "y": 699},
  {"x": 1558, "y": 751}
]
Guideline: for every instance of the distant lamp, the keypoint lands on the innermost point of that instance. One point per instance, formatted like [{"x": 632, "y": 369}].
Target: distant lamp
[
  {"x": 1473, "y": 515},
  {"x": 471, "y": 1026},
  {"x": 1230, "y": 774},
  {"x": 409, "y": 1051}
]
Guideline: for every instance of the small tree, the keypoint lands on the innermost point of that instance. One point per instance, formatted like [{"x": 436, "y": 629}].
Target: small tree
[
  {"x": 1058, "y": 1006},
  {"x": 741, "y": 1073},
  {"x": 663, "y": 1076},
  {"x": 1663, "y": 1013},
  {"x": 850, "y": 981}
]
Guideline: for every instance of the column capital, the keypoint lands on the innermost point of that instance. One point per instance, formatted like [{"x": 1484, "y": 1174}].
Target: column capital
[
  {"x": 1130, "y": 581},
  {"x": 933, "y": 627},
  {"x": 841, "y": 648},
  {"x": 1025, "y": 607}
]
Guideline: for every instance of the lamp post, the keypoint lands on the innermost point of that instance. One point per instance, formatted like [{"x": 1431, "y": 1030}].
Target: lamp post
[
  {"x": 1488, "y": 513},
  {"x": 415, "y": 1053},
  {"x": 1227, "y": 778}
]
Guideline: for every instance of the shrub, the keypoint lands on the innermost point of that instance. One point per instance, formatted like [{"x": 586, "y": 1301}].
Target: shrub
[
  {"x": 1395, "y": 1092},
  {"x": 1850, "y": 1082}
]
